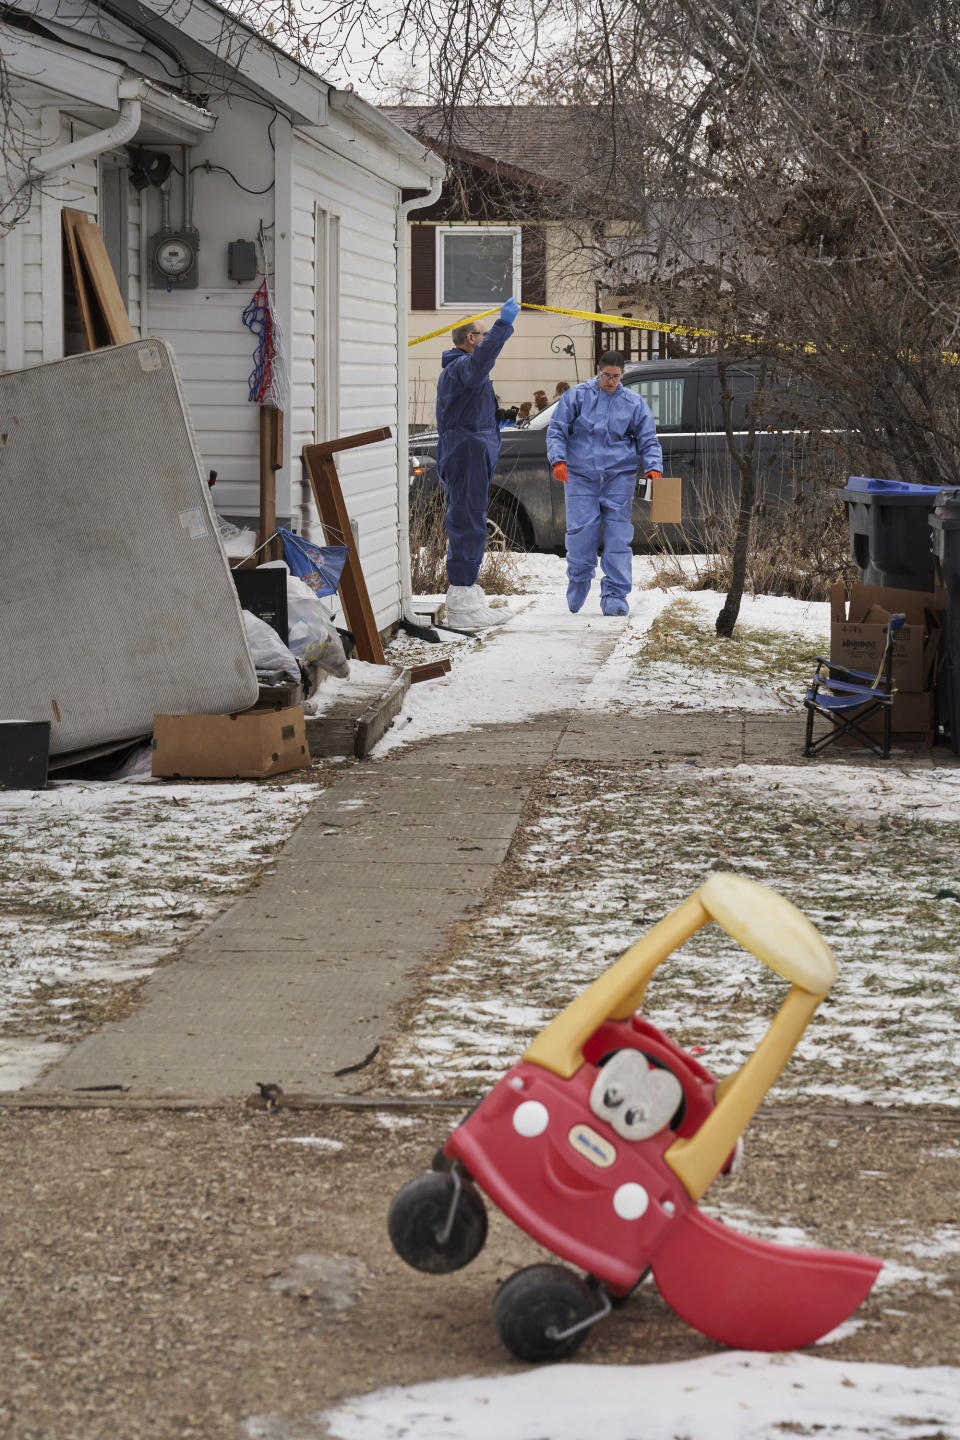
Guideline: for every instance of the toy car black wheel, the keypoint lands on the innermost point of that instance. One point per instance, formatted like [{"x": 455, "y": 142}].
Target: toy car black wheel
[
  {"x": 424, "y": 1232},
  {"x": 536, "y": 1306}
]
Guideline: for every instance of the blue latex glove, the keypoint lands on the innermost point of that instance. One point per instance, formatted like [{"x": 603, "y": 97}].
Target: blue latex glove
[{"x": 510, "y": 311}]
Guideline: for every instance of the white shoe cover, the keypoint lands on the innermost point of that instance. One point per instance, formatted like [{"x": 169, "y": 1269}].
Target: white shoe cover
[
  {"x": 465, "y": 611},
  {"x": 497, "y": 617}
]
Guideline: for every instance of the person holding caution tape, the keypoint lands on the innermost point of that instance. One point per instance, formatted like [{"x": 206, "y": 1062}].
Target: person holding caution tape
[
  {"x": 598, "y": 433},
  {"x": 467, "y": 450}
]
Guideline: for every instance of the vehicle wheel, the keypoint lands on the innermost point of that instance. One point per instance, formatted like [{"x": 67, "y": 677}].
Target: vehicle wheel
[
  {"x": 534, "y": 1304},
  {"x": 418, "y": 1215},
  {"x": 504, "y": 522}
]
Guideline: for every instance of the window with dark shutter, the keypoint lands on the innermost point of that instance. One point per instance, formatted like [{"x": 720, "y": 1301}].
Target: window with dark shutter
[
  {"x": 533, "y": 265},
  {"x": 423, "y": 267}
]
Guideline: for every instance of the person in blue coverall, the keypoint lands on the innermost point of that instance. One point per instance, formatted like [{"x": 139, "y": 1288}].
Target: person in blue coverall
[
  {"x": 467, "y": 450},
  {"x": 598, "y": 433}
]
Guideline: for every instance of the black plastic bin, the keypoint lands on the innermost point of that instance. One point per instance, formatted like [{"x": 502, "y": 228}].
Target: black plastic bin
[
  {"x": 24, "y": 754},
  {"x": 889, "y": 531},
  {"x": 945, "y": 534}
]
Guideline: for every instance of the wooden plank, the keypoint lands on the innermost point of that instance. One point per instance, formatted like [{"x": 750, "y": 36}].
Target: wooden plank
[
  {"x": 103, "y": 282},
  {"x": 348, "y": 442},
  {"x": 325, "y": 482},
  {"x": 376, "y": 720},
  {"x": 330, "y": 734},
  {"x": 430, "y": 670},
  {"x": 270, "y": 423},
  {"x": 72, "y": 221},
  {"x": 279, "y": 1101}
]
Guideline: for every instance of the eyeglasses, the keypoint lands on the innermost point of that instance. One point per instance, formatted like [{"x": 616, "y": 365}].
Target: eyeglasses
[{"x": 606, "y": 375}]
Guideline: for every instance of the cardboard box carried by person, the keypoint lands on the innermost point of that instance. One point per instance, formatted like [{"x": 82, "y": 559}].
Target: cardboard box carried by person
[
  {"x": 248, "y": 745},
  {"x": 666, "y": 506},
  {"x": 858, "y": 631}
]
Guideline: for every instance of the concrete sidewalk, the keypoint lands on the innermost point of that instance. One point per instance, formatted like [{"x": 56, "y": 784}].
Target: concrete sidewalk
[{"x": 302, "y": 976}]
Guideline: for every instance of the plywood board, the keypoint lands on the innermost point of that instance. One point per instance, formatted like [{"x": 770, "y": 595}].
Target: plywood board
[
  {"x": 104, "y": 315},
  {"x": 72, "y": 220}
]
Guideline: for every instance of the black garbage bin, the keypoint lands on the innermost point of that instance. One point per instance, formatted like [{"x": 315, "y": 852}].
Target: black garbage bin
[
  {"x": 889, "y": 531},
  {"x": 945, "y": 533}
]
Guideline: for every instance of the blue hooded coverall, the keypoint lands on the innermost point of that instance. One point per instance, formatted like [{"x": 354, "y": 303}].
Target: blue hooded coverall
[
  {"x": 467, "y": 449},
  {"x": 600, "y": 437}
]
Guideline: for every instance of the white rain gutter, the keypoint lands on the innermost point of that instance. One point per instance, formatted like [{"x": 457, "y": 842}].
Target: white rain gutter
[
  {"x": 420, "y": 202},
  {"x": 130, "y": 94}
]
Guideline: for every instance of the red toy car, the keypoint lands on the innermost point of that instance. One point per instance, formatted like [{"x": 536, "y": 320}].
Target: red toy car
[{"x": 600, "y": 1141}]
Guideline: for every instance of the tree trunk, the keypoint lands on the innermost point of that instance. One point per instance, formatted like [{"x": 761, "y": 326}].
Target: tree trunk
[{"x": 727, "y": 618}]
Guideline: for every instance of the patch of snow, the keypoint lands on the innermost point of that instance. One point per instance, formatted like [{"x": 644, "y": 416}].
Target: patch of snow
[
  {"x": 732, "y": 1396},
  {"x": 315, "y": 1142}
]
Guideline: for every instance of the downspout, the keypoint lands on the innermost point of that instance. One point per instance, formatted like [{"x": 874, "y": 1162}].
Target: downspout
[
  {"x": 403, "y": 400},
  {"x": 130, "y": 93}
]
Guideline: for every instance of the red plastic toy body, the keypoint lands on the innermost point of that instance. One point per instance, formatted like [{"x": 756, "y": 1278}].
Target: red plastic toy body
[
  {"x": 615, "y": 1208},
  {"x": 600, "y": 1141}
]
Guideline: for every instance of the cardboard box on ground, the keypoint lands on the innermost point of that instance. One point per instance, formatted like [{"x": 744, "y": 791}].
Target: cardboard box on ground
[
  {"x": 858, "y": 635},
  {"x": 248, "y": 745}
]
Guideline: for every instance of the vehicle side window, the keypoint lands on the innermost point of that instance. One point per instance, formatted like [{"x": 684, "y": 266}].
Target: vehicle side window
[
  {"x": 542, "y": 419},
  {"x": 664, "y": 395}
]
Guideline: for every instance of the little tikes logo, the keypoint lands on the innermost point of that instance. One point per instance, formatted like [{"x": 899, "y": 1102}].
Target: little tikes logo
[{"x": 592, "y": 1146}]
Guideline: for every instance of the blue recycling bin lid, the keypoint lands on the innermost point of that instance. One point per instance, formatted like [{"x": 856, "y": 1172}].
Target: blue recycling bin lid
[{"x": 860, "y": 484}]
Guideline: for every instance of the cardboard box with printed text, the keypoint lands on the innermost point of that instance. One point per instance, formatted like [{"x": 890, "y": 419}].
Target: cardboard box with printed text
[
  {"x": 858, "y": 632},
  {"x": 249, "y": 744}
]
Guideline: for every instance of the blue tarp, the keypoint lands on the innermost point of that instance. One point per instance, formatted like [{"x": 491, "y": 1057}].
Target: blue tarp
[{"x": 319, "y": 566}]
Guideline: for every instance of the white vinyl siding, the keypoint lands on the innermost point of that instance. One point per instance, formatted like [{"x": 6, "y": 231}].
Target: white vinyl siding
[
  {"x": 344, "y": 346},
  {"x": 214, "y": 351}
]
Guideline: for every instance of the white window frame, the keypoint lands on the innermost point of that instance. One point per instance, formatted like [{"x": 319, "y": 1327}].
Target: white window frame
[{"x": 442, "y": 302}]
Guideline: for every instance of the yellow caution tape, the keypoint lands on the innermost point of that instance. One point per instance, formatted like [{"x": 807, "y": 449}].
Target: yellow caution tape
[
  {"x": 622, "y": 322},
  {"x": 447, "y": 328},
  {"x": 614, "y": 322}
]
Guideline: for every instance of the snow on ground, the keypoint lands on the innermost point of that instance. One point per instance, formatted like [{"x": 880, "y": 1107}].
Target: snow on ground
[
  {"x": 619, "y": 848},
  {"x": 104, "y": 878},
  {"x": 731, "y": 1396},
  {"x": 865, "y": 851},
  {"x": 531, "y": 667}
]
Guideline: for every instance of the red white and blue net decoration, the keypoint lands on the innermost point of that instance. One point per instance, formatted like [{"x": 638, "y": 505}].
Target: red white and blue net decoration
[{"x": 268, "y": 378}]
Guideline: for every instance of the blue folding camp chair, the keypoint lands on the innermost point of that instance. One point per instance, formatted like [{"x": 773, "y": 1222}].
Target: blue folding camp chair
[{"x": 852, "y": 698}]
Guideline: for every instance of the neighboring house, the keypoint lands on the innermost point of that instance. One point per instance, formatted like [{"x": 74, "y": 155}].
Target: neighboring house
[
  {"x": 106, "y": 96},
  {"x": 503, "y": 225}
]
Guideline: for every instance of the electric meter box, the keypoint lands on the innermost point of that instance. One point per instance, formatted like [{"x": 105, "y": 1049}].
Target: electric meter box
[{"x": 241, "y": 260}]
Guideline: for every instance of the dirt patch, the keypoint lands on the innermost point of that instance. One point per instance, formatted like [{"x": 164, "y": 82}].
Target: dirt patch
[{"x": 173, "y": 1274}]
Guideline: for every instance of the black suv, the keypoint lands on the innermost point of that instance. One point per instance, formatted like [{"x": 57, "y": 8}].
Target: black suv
[{"x": 685, "y": 398}]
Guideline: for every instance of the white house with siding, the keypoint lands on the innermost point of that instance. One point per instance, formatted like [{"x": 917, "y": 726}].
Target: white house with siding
[{"x": 103, "y": 93}]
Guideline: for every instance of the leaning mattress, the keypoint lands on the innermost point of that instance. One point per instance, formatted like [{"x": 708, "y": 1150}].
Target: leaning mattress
[{"x": 115, "y": 593}]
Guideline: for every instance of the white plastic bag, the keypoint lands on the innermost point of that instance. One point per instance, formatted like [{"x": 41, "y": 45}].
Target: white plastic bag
[
  {"x": 313, "y": 636},
  {"x": 270, "y": 656}
]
